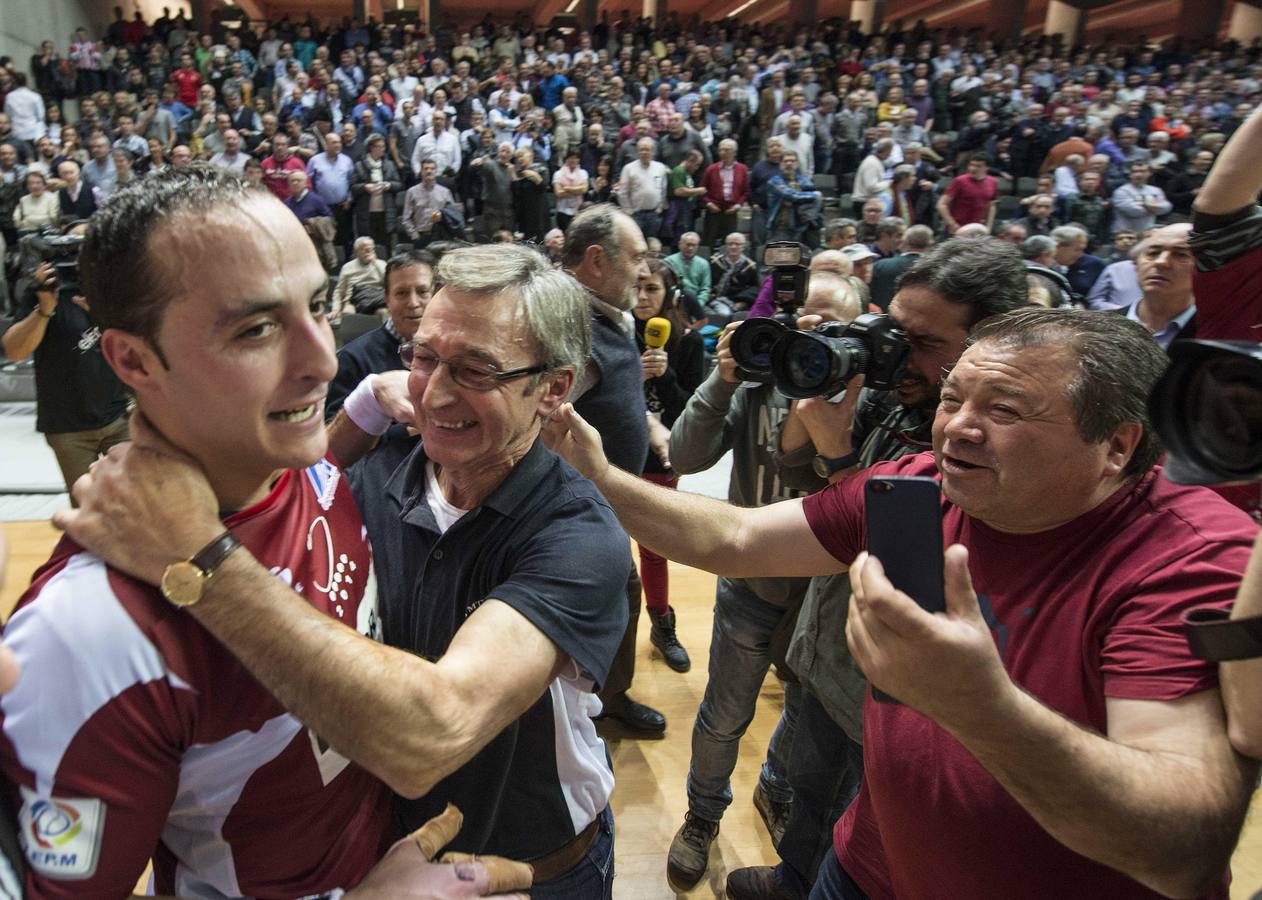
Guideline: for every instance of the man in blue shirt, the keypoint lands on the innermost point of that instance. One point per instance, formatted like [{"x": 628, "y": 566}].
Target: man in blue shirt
[
  {"x": 1164, "y": 263},
  {"x": 330, "y": 173},
  {"x": 551, "y": 85}
]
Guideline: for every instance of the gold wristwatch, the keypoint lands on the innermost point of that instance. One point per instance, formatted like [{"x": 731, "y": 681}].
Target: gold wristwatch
[{"x": 184, "y": 582}]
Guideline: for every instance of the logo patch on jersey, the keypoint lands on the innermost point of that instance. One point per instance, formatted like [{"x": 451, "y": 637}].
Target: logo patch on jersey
[
  {"x": 324, "y": 477},
  {"x": 61, "y": 836}
]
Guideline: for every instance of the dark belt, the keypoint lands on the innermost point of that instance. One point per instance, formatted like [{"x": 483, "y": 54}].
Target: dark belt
[{"x": 560, "y": 861}]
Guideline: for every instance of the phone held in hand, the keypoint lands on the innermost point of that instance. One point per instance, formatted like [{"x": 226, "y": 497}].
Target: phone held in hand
[{"x": 904, "y": 531}]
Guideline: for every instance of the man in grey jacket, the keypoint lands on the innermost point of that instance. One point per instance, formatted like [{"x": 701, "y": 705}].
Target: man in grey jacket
[{"x": 744, "y": 417}]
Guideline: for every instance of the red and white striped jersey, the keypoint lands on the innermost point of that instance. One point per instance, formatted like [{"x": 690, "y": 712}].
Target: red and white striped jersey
[{"x": 133, "y": 733}]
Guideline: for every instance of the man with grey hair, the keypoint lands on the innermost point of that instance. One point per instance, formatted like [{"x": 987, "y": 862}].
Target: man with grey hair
[
  {"x": 870, "y": 180},
  {"x": 1040, "y": 250},
  {"x": 608, "y": 253},
  {"x": 642, "y": 188},
  {"x": 496, "y": 568},
  {"x": 1080, "y": 267},
  {"x": 726, "y": 184}
]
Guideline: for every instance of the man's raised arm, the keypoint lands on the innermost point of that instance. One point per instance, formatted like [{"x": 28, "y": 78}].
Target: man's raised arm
[
  {"x": 1236, "y": 178},
  {"x": 697, "y": 531}
]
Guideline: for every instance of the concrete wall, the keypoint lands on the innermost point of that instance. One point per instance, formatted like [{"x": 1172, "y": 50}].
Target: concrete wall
[{"x": 24, "y": 24}]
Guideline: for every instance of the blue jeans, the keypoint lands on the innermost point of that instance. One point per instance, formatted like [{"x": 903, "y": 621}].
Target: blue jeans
[
  {"x": 832, "y": 882},
  {"x": 591, "y": 879},
  {"x": 825, "y": 770},
  {"x": 739, "y": 658}
]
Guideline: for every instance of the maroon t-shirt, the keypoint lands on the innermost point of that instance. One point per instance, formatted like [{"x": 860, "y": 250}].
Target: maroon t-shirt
[
  {"x": 971, "y": 198},
  {"x": 1085, "y": 611}
]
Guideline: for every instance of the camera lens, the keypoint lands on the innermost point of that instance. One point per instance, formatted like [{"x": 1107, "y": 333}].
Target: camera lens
[
  {"x": 1223, "y": 409},
  {"x": 808, "y": 364},
  {"x": 752, "y": 343}
]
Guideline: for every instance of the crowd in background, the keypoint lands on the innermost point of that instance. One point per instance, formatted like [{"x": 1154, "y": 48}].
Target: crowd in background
[
  {"x": 721, "y": 128},
  {"x": 879, "y": 152}
]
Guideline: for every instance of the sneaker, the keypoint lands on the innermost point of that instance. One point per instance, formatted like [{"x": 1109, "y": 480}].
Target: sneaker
[
  {"x": 757, "y": 883},
  {"x": 774, "y": 815},
  {"x": 690, "y": 851},
  {"x": 662, "y": 636}
]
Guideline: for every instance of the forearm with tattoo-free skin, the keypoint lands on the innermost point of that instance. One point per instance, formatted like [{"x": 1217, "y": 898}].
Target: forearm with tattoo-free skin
[
  {"x": 1235, "y": 180},
  {"x": 408, "y": 721},
  {"x": 697, "y": 531},
  {"x": 348, "y": 443},
  {"x": 1164, "y": 811}
]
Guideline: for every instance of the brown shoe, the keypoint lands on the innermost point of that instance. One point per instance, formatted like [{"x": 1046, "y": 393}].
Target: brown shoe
[
  {"x": 757, "y": 883},
  {"x": 690, "y": 851}
]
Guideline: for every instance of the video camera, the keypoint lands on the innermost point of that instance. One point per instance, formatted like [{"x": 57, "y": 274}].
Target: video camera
[
  {"x": 1207, "y": 410},
  {"x": 820, "y": 362},
  {"x": 62, "y": 250}
]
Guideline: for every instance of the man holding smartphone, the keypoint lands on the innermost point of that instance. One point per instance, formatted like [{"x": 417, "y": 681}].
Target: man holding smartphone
[
  {"x": 950, "y": 289},
  {"x": 1057, "y": 738}
]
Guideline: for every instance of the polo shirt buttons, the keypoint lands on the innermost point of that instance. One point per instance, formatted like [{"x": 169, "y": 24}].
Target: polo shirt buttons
[{"x": 438, "y": 554}]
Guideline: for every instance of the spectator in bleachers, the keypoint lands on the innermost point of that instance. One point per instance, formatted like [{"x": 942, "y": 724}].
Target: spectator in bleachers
[
  {"x": 971, "y": 197},
  {"x": 1137, "y": 204},
  {"x": 1080, "y": 267}
]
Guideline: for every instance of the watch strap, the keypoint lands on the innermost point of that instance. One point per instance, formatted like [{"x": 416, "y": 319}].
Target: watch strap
[
  {"x": 213, "y": 554},
  {"x": 837, "y": 463},
  {"x": 1213, "y": 635}
]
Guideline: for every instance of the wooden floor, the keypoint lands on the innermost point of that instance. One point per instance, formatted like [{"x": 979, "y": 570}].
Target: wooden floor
[{"x": 649, "y": 801}]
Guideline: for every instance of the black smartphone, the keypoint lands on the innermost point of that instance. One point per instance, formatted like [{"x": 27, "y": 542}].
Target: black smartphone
[{"x": 904, "y": 531}]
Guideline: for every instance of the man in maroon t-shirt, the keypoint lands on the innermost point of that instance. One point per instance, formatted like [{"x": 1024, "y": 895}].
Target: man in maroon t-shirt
[
  {"x": 970, "y": 198},
  {"x": 1057, "y": 739}
]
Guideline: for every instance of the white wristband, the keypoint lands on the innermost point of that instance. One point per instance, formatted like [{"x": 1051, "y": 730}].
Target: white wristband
[{"x": 362, "y": 408}]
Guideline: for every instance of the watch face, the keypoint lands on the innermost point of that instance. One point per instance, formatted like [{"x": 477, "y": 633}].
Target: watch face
[
  {"x": 820, "y": 466},
  {"x": 182, "y": 583}
]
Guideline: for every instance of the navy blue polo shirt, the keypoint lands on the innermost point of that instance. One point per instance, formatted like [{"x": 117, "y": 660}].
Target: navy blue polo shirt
[{"x": 546, "y": 543}]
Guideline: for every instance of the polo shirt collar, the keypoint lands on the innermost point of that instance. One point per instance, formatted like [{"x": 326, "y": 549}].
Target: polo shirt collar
[{"x": 406, "y": 485}]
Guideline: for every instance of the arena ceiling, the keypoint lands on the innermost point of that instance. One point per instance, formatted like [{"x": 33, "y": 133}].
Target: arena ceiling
[{"x": 1121, "y": 19}]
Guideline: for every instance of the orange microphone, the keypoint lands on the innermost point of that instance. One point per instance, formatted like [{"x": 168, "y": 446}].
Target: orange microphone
[{"x": 656, "y": 333}]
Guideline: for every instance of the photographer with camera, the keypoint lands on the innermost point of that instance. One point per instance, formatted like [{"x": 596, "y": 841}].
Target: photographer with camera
[
  {"x": 79, "y": 401},
  {"x": 729, "y": 412},
  {"x": 940, "y": 298}
]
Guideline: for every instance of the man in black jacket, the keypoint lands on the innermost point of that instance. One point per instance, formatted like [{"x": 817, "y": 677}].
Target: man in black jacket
[{"x": 409, "y": 285}]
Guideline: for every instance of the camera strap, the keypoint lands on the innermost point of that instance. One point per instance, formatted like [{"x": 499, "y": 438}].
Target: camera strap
[{"x": 1213, "y": 635}]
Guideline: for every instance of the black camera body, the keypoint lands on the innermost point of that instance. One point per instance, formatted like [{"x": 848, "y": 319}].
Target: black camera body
[
  {"x": 1207, "y": 410},
  {"x": 62, "y": 250},
  {"x": 790, "y": 277},
  {"x": 820, "y": 362}
]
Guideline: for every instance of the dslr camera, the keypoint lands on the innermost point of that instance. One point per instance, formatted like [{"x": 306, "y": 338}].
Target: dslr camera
[
  {"x": 1207, "y": 410},
  {"x": 820, "y": 362}
]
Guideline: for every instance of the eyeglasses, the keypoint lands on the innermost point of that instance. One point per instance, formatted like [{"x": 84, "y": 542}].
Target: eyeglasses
[{"x": 475, "y": 376}]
